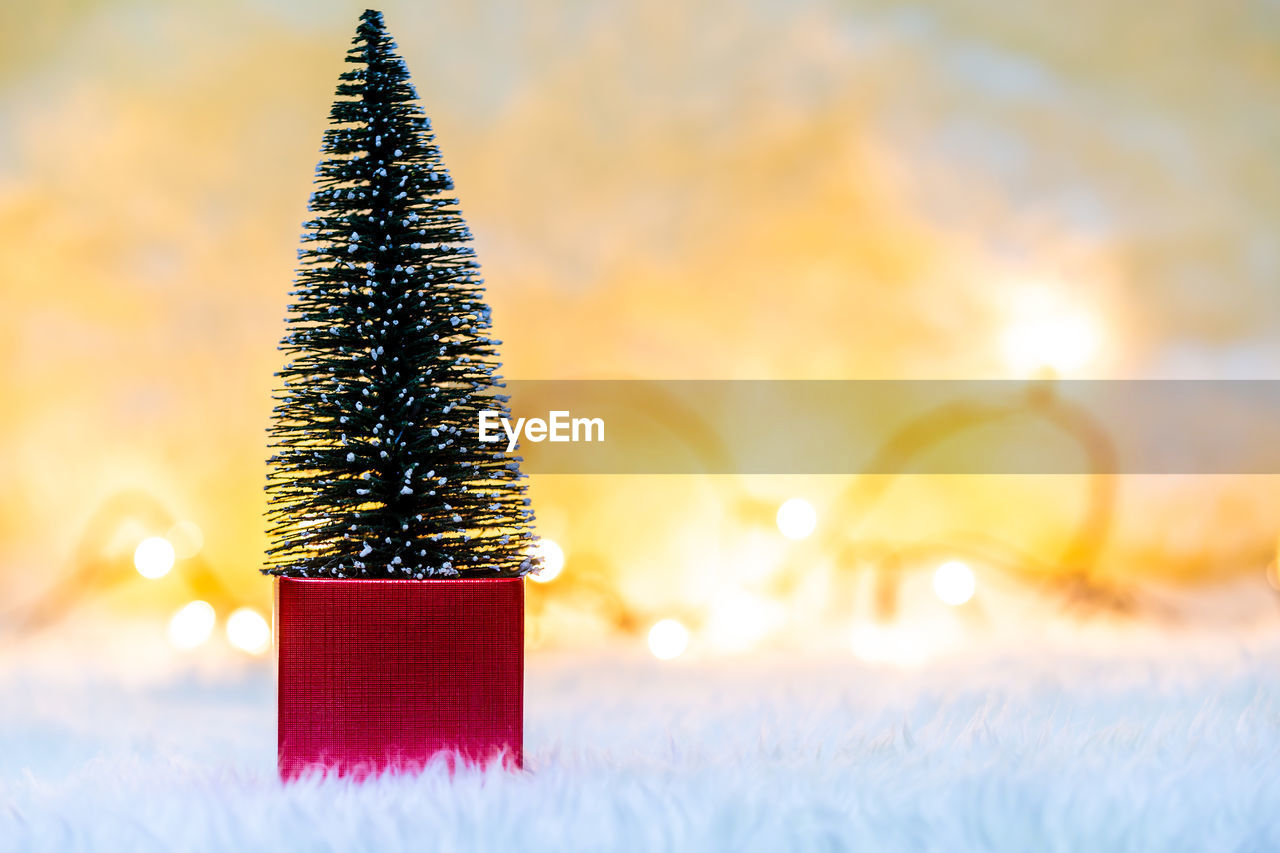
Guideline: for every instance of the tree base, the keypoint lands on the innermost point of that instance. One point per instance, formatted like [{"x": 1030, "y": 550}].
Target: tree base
[{"x": 388, "y": 675}]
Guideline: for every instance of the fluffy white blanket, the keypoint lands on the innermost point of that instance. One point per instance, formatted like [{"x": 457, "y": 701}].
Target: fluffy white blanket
[{"x": 1045, "y": 750}]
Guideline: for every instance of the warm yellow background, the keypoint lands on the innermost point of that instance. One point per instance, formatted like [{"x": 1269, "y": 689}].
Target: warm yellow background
[{"x": 711, "y": 189}]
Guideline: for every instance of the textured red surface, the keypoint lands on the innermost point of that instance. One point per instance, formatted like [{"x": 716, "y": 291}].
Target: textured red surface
[{"x": 382, "y": 675}]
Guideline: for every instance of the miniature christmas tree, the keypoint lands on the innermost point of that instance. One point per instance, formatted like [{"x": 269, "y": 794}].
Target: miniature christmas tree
[{"x": 377, "y": 469}]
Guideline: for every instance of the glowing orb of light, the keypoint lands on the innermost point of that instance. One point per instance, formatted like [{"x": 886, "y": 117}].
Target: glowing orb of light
[
  {"x": 738, "y": 620},
  {"x": 1047, "y": 334},
  {"x": 248, "y": 631},
  {"x": 552, "y": 560},
  {"x": 192, "y": 625},
  {"x": 154, "y": 556},
  {"x": 953, "y": 583},
  {"x": 797, "y": 518},
  {"x": 668, "y": 639}
]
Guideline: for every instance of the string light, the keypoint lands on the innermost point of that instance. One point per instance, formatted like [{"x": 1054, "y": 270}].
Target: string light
[
  {"x": 953, "y": 583},
  {"x": 668, "y": 639},
  {"x": 552, "y": 560},
  {"x": 248, "y": 631},
  {"x": 154, "y": 556},
  {"x": 738, "y": 620},
  {"x": 797, "y": 518},
  {"x": 192, "y": 625},
  {"x": 1047, "y": 334}
]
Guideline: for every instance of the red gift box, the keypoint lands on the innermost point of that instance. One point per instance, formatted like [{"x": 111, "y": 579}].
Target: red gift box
[{"x": 378, "y": 675}]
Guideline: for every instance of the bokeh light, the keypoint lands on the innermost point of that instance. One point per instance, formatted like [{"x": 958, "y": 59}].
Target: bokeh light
[
  {"x": 668, "y": 639},
  {"x": 1045, "y": 333},
  {"x": 738, "y": 620},
  {"x": 797, "y": 518},
  {"x": 1083, "y": 253},
  {"x": 154, "y": 557},
  {"x": 954, "y": 583},
  {"x": 192, "y": 625},
  {"x": 248, "y": 631},
  {"x": 552, "y": 560}
]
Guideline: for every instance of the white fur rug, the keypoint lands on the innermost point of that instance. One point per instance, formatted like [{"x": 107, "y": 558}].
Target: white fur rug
[{"x": 1176, "y": 749}]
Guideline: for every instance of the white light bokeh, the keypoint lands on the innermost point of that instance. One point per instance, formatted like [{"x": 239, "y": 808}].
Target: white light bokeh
[
  {"x": 192, "y": 625},
  {"x": 1046, "y": 333},
  {"x": 797, "y": 518},
  {"x": 154, "y": 557},
  {"x": 668, "y": 639},
  {"x": 552, "y": 560},
  {"x": 248, "y": 631},
  {"x": 954, "y": 583},
  {"x": 739, "y": 620}
]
